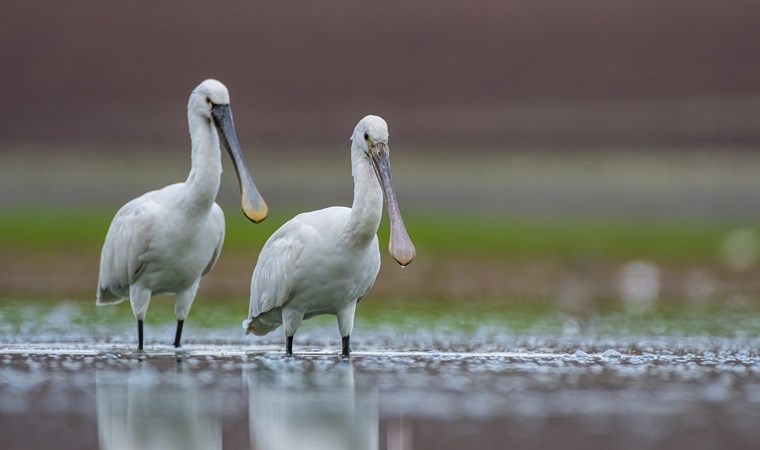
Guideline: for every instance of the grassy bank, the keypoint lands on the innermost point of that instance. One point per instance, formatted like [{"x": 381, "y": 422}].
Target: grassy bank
[
  {"x": 569, "y": 263},
  {"x": 50, "y": 231}
]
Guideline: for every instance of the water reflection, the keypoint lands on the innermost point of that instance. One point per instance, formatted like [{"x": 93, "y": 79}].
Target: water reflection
[
  {"x": 652, "y": 392},
  {"x": 148, "y": 409},
  {"x": 302, "y": 403}
]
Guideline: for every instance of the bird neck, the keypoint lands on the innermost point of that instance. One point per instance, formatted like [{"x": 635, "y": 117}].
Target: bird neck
[
  {"x": 367, "y": 209},
  {"x": 206, "y": 172}
]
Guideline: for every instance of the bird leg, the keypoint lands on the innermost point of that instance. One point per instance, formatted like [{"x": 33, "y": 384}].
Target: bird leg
[
  {"x": 179, "y": 333},
  {"x": 289, "y": 346},
  {"x": 139, "y": 334},
  {"x": 346, "y": 346}
]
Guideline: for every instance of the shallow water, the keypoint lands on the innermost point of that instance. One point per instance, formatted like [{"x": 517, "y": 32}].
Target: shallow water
[{"x": 70, "y": 378}]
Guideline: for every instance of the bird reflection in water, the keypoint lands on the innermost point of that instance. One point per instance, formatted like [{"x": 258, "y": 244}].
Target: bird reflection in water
[
  {"x": 148, "y": 409},
  {"x": 309, "y": 403}
]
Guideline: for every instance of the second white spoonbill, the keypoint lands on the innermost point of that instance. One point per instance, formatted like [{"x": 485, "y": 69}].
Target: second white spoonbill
[
  {"x": 166, "y": 240},
  {"x": 325, "y": 261}
]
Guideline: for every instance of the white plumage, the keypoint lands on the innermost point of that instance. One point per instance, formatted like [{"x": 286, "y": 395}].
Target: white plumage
[
  {"x": 325, "y": 261},
  {"x": 166, "y": 240}
]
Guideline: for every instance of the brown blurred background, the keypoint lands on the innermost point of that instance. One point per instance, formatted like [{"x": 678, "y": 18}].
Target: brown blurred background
[
  {"x": 452, "y": 73},
  {"x": 624, "y": 110}
]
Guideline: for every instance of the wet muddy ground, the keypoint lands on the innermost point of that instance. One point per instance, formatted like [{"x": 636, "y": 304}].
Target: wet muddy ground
[{"x": 403, "y": 388}]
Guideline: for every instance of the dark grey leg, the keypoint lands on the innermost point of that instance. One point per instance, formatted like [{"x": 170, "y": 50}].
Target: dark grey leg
[
  {"x": 139, "y": 334},
  {"x": 178, "y": 336},
  {"x": 289, "y": 346},
  {"x": 346, "y": 346}
]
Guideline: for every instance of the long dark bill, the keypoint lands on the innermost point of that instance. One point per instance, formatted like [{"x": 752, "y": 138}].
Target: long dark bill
[
  {"x": 254, "y": 206},
  {"x": 400, "y": 246}
]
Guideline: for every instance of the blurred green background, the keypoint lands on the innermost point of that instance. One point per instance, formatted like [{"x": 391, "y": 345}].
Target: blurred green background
[{"x": 579, "y": 158}]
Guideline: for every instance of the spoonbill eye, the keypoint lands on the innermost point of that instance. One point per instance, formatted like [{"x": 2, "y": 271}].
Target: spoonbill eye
[{"x": 366, "y": 136}]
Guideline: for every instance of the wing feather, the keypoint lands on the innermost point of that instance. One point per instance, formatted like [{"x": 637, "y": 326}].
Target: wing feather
[
  {"x": 124, "y": 252},
  {"x": 217, "y": 218},
  {"x": 272, "y": 281}
]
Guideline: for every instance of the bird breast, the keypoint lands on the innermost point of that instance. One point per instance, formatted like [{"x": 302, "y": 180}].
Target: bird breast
[
  {"x": 326, "y": 282},
  {"x": 178, "y": 254}
]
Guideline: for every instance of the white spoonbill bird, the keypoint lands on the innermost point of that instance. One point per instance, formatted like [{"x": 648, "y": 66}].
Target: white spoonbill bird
[
  {"x": 325, "y": 261},
  {"x": 166, "y": 240}
]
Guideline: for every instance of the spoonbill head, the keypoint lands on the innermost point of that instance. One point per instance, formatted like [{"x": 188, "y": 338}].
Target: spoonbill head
[
  {"x": 325, "y": 261},
  {"x": 165, "y": 240},
  {"x": 211, "y": 100},
  {"x": 371, "y": 138}
]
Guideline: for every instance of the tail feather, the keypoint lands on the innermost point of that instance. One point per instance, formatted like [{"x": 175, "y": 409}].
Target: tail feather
[
  {"x": 106, "y": 297},
  {"x": 263, "y": 323}
]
